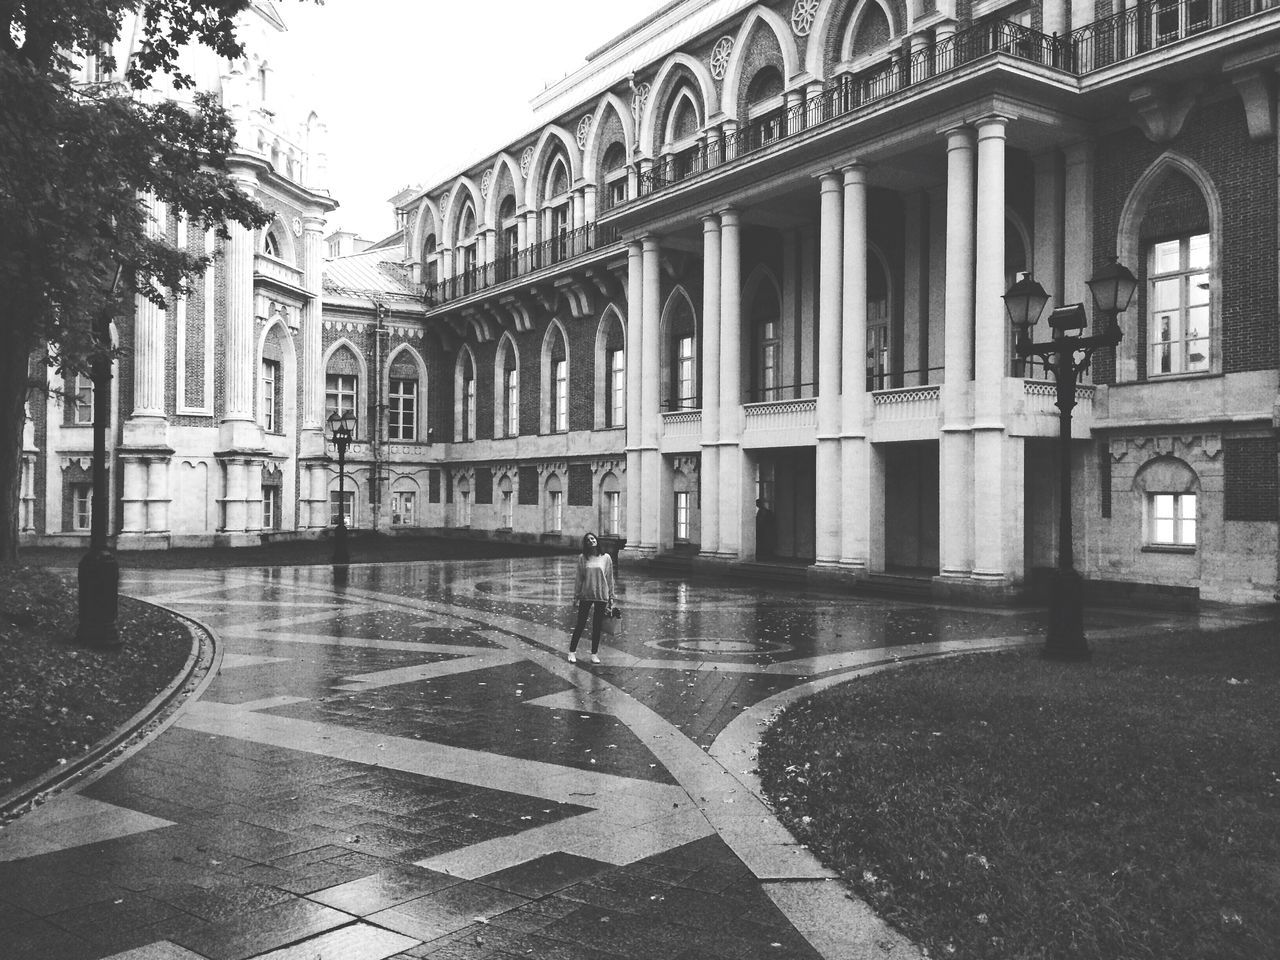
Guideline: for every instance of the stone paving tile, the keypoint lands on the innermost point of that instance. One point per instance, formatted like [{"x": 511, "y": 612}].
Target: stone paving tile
[
  {"x": 247, "y": 934},
  {"x": 543, "y": 875},
  {"x": 387, "y": 888}
]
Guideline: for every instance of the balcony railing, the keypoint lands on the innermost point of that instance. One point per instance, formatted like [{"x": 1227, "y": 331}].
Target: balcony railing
[
  {"x": 850, "y": 92},
  {"x": 1152, "y": 24},
  {"x": 563, "y": 248},
  {"x": 1149, "y": 26}
]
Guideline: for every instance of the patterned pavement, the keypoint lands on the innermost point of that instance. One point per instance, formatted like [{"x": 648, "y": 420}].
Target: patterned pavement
[{"x": 404, "y": 765}]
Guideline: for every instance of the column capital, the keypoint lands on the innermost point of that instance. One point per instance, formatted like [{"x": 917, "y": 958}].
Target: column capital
[
  {"x": 729, "y": 216},
  {"x": 634, "y": 248},
  {"x": 313, "y": 224},
  {"x": 960, "y": 137},
  {"x": 991, "y": 126},
  {"x": 829, "y": 181},
  {"x": 855, "y": 172},
  {"x": 1081, "y": 151},
  {"x": 649, "y": 242},
  {"x": 710, "y": 223}
]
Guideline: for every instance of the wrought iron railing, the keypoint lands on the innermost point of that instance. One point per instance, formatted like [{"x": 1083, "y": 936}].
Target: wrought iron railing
[
  {"x": 562, "y": 248},
  {"x": 1149, "y": 26},
  {"x": 850, "y": 92},
  {"x": 785, "y": 391}
]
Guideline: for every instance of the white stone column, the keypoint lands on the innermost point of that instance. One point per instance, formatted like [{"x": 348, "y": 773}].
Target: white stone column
[
  {"x": 238, "y": 429},
  {"x": 650, "y": 370},
  {"x": 633, "y": 182},
  {"x": 858, "y": 504},
  {"x": 579, "y": 210},
  {"x": 995, "y": 491},
  {"x": 830, "y": 303},
  {"x": 589, "y": 203},
  {"x": 728, "y": 133},
  {"x": 955, "y": 533},
  {"x": 1077, "y": 251},
  {"x": 793, "y": 118},
  {"x": 635, "y": 391},
  {"x": 148, "y": 359},
  {"x": 709, "y": 508},
  {"x": 311, "y": 361},
  {"x": 253, "y": 497},
  {"x": 522, "y": 231},
  {"x": 319, "y": 496},
  {"x": 732, "y": 483}
]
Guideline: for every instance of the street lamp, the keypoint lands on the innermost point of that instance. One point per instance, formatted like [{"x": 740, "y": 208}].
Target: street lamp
[
  {"x": 341, "y": 426},
  {"x": 98, "y": 574},
  {"x": 1067, "y": 355}
]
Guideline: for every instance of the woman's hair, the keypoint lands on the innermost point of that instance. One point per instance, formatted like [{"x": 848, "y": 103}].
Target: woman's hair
[{"x": 587, "y": 549}]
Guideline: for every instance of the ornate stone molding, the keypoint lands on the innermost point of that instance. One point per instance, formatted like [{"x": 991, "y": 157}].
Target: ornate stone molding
[
  {"x": 720, "y": 56},
  {"x": 803, "y": 14}
]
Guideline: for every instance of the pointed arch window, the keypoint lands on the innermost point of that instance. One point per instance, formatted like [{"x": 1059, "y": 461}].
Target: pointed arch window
[
  {"x": 402, "y": 400},
  {"x": 1178, "y": 294},
  {"x": 509, "y": 245},
  {"x": 765, "y": 109},
  {"x": 468, "y": 249},
  {"x": 614, "y": 171},
  {"x": 341, "y": 381},
  {"x": 559, "y": 211}
]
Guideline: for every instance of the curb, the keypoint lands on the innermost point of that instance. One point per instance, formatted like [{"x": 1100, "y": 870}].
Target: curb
[{"x": 206, "y": 656}]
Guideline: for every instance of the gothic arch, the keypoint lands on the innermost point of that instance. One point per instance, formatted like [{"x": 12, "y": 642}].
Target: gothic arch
[
  {"x": 362, "y": 391},
  {"x": 610, "y": 319},
  {"x": 463, "y": 190},
  {"x": 830, "y": 17},
  {"x": 426, "y": 223},
  {"x": 730, "y": 90},
  {"x": 1129, "y": 251},
  {"x": 553, "y": 136},
  {"x": 420, "y": 407},
  {"x": 284, "y": 237},
  {"x": 505, "y": 343},
  {"x": 592, "y": 155},
  {"x": 517, "y": 186},
  {"x": 289, "y": 374},
  {"x": 683, "y": 94},
  {"x": 554, "y": 329},
  {"x": 668, "y": 77},
  {"x": 856, "y": 20}
]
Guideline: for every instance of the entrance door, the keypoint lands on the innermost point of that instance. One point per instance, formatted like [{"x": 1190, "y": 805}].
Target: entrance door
[
  {"x": 911, "y": 506},
  {"x": 787, "y": 483}
]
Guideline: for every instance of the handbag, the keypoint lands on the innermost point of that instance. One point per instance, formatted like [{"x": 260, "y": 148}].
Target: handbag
[{"x": 611, "y": 624}]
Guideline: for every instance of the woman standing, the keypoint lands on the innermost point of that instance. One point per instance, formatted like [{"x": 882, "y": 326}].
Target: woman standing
[{"x": 592, "y": 594}]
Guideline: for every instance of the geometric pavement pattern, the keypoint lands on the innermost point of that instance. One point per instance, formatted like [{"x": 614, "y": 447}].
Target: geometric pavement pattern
[{"x": 401, "y": 763}]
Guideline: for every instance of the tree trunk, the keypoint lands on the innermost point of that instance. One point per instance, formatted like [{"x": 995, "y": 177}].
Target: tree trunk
[{"x": 13, "y": 397}]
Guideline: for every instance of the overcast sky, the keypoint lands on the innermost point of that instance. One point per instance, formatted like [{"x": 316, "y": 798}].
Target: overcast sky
[{"x": 415, "y": 90}]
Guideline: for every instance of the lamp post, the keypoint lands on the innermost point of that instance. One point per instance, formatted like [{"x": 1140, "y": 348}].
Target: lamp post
[
  {"x": 98, "y": 574},
  {"x": 1067, "y": 355},
  {"x": 341, "y": 427}
]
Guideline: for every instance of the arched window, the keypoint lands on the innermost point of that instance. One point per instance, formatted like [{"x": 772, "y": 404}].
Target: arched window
[
  {"x": 680, "y": 375},
  {"x": 271, "y": 385},
  {"x": 341, "y": 385},
  {"x": 870, "y": 33},
  {"x": 404, "y": 502},
  {"x": 271, "y": 245},
  {"x": 765, "y": 312},
  {"x": 509, "y": 243},
  {"x": 611, "y": 372},
  {"x": 463, "y": 508},
  {"x": 614, "y": 173},
  {"x": 555, "y": 381},
  {"x": 684, "y": 118},
  {"x": 610, "y": 505},
  {"x": 554, "y": 522},
  {"x": 879, "y": 328},
  {"x": 681, "y": 133},
  {"x": 765, "y": 109},
  {"x": 1169, "y": 489},
  {"x": 468, "y": 249},
  {"x": 402, "y": 399},
  {"x": 558, "y": 213},
  {"x": 507, "y": 502},
  {"x": 430, "y": 262},
  {"x": 507, "y": 380},
  {"x": 464, "y": 412}
]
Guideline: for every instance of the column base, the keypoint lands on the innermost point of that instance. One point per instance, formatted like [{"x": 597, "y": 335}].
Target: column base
[
  {"x": 836, "y": 573},
  {"x": 978, "y": 589},
  {"x": 144, "y": 541}
]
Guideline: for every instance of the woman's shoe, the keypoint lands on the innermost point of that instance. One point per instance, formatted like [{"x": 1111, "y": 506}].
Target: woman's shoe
[
  {"x": 594, "y": 658},
  {"x": 573, "y": 658}
]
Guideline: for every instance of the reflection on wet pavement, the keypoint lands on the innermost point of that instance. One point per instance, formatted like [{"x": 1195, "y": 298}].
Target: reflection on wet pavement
[{"x": 401, "y": 762}]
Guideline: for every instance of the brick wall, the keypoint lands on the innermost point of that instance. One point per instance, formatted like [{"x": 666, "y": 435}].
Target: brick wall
[
  {"x": 1251, "y": 484},
  {"x": 580, "y": 485},
  {"x": 484, "y": 485},
  {"x": 529, "y": 484},
  {"x": 1215, "y": 137}
]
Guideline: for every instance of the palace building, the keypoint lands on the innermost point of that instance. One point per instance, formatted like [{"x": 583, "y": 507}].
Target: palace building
[{"x": 756, "y": 252}]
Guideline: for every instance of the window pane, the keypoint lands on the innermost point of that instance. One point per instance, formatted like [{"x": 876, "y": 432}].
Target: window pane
[
  {"x": 1165, "y": 295},
  {"x": 1198, "y": 289},
  {"x": 1165, "y": 257},
  {"x": 1198, "y": 252}
]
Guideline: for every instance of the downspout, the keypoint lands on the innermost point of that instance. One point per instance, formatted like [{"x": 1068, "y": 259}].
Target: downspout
[{"x": 376, "y": 478}]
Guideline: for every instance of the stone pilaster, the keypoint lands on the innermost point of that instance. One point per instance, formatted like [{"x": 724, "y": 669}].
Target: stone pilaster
[
  {"x": 858, "y": 504},
  {"x": 732, "y": 513},
  {"x": 709, "y": 508},
  {"x": 830, "y": 304},
  {"x": 635, "y": 391},
  {"x": 651, "y": 315}
]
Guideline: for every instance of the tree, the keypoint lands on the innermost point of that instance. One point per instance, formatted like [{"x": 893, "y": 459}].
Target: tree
[{"x": 76, "y": 161}]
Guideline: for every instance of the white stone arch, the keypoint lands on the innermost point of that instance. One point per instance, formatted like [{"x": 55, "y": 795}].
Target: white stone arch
[
  {"x": 420, "y": 401},
  {"x": 351, "y": 487},
  {"x": 518, "y": 188},
  {"x": 592, "y": 155},
  {"x": 553, "y": 136},
  {"x": 289, "y": 375},
  {"x": 1129, "y": 252},
  {"x": 683, "y": 95},
  {"x": 284, "y": 237},
  {"x": 466, "y": 356},
  {"x": 667, "y": 77},
  {"x": 609, "y": 316},
  {"x": 506, "y": 343},
  {"x": 464, "y": 189},
  {"x": 829, "y": 15},
  {"x": 422, "y": 227},
  {"x": 554, "y": 328},
  {"x": 361, "y": 383},
  {"x": 552, "y": 483},
  {"x": 730, "y": 90},
  {"x": 402, "y": 483},
  {"x": 855, "y": 22}
]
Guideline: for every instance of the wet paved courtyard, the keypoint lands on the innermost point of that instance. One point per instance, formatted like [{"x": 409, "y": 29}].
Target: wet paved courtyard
[{"x": 404, "y": 765}]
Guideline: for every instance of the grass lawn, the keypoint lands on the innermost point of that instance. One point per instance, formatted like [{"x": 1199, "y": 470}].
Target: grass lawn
[
  {"x": 1003, "y": 806},
  {"x": 57, "y": 700}
]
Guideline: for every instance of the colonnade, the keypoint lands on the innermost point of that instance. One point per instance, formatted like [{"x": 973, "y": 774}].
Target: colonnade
[{"x": 980, "y": 465}]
